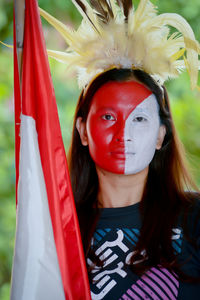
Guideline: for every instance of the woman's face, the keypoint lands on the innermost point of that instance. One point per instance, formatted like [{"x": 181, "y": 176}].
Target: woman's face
[{"x": 123, "y": 128}]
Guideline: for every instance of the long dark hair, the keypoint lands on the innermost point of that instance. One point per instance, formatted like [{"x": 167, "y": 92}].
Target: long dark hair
[{"x": 164, "y": 196}]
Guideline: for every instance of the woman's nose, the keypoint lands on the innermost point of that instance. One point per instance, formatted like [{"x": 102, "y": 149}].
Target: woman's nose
[
  {"x": 119, "y": 132},
  {"x": 122, "y": 135}
]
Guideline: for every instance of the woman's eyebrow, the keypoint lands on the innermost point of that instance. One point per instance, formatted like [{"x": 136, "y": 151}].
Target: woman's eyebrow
[
  {"x": 105, "y": 107},
  {"x": 139, "y": 109}
]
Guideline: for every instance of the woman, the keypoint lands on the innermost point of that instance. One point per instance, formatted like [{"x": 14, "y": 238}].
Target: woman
[
  {"x": 129, "y": 180},
  {"x": 138, "y": 220}
]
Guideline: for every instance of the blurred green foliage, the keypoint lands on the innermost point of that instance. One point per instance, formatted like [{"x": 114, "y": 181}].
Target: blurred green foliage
[{"x": 185, "y": 107}]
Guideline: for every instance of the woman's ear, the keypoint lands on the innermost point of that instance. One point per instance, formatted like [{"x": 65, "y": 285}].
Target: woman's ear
[
  {"x": 81, "y": 127},
  {"x": 161, "y": 136}
]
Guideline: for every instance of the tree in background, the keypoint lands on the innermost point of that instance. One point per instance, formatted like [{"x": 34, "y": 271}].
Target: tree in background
[{"x": 185, "y": 107}]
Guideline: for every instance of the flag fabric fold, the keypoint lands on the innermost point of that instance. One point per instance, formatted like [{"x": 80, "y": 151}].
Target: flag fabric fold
[{"x": 49, "y": 261}]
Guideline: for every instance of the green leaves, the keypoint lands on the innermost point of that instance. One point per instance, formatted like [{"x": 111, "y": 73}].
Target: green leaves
[
  {"x": 185, "y": 107},
  {"x": 186, "y": 112}
]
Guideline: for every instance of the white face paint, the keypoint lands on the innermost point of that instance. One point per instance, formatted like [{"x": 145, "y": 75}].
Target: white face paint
[{"x": 141, "y": 133}]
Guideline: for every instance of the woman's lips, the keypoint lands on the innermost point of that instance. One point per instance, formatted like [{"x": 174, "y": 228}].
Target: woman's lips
[
  {"x": 121, "y": 154},
  {"x": 118, "y": 154}
]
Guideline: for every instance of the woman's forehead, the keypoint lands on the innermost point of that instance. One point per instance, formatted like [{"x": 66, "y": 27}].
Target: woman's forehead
[{"x": 114, "y": 94}]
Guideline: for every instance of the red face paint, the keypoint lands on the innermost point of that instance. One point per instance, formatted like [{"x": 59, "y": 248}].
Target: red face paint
[{"x": 110, "y": 108}]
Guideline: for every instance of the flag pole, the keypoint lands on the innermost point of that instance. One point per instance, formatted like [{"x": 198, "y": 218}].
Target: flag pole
[
  {"x": 19, "y": 20},
  {"x": 19, "y": 11}
]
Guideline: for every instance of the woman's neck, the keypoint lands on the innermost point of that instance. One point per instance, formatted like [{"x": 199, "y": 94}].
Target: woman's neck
[{"x": 120, "y": 190}]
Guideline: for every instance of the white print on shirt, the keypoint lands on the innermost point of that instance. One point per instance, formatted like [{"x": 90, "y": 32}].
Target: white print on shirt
[
  {"x": 103, "y": 281},
  {"x": 117, "y": 243},
  {"x": 177, "y": 234}
]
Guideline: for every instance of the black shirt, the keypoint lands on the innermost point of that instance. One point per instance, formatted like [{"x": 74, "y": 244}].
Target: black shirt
[{"x": 116, "y": 234}]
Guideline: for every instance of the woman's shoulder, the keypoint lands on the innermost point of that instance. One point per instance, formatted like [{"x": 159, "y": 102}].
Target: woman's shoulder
[
  {"x": 190, "y": 214},
  {"x": 193, "y": 203}
]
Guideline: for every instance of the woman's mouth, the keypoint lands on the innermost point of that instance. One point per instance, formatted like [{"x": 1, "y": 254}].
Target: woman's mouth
[{"x": 121, "y": 154}]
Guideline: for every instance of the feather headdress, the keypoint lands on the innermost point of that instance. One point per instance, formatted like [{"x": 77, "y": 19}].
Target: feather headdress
[{"x": 113, "y": 34}]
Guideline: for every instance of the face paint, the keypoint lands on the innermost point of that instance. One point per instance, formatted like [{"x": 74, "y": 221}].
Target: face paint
[
  {"x": 140, "y": 135},
  {"x": 122, "y": 127}
]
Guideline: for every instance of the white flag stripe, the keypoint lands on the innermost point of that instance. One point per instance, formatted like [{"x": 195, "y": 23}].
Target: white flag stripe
[{"x": 36, "y": 274}]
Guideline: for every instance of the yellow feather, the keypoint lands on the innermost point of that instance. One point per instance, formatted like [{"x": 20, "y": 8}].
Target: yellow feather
[
  {"x": 141, "y": 9},
  {"x": 145, "y": 10},
  {"x": 65, "y": 31},
  {"x": 8, "y": 46},
  {"x": 177, "y": 55},
  {"x": 182, "y": 25},
  {"x": 114, "y": 7},
  {"x": 192, "y": 44},
  {"x": 60, "y": 56},
  {"x": 90, "y": 13}
]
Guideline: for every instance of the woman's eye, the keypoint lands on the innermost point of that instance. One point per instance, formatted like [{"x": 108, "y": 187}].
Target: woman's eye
[
  {"x": 139, "y": 119},
  {"x": 108, "y": 117}
]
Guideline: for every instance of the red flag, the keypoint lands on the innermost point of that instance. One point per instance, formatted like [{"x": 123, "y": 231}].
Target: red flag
[{"x": 49, "y": 261}]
